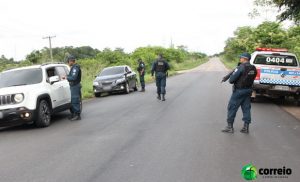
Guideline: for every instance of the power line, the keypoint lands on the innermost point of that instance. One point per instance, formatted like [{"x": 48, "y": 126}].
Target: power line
[{"x": 50, "y": 46}]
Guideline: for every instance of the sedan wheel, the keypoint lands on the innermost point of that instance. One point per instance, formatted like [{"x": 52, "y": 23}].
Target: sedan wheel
[
  {"x": 135, "y": 86},
  {"x": 127, "y": 90}
]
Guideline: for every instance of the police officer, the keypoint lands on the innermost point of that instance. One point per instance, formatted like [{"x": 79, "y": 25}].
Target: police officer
[
  {"x": 160, "y": 67},
  {"x": 141, "y": 70},
  {"x": 242, "y": 78},
  {"x": 74, "y": 79}
]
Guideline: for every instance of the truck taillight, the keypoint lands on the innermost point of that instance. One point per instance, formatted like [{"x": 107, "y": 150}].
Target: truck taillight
[{"x": 258, "y": 74}]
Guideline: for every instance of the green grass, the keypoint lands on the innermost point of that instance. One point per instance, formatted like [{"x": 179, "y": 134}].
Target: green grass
[
  {"x": 90, "y": 68},
  {"x": 229, "y": 64},
  {"x": 188, "y": 64}
]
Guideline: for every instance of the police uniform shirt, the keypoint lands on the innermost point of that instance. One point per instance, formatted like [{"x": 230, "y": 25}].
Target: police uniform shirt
[
  {"x": 74, "y": 75},
  {"x": 159, "y": 66},
  {"x": 141, "y": 66}
]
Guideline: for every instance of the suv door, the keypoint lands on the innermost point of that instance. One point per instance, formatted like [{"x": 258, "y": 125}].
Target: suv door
[
  {"x": 62, "y": 73},
  {"x": 57, "y": 92}
]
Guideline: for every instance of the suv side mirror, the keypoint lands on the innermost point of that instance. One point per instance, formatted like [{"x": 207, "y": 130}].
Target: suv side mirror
[
  {"x": 53, "y": 79},
  {"x": 127, "y": 73}
]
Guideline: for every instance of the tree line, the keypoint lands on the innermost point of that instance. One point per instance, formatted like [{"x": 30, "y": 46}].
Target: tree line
[
  {"x": 105, "y": 57},
  {"x": 267, "y": 34}
]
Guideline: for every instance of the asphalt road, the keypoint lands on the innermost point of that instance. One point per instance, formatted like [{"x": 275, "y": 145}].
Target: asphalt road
[{"x": 136, "y": 138}]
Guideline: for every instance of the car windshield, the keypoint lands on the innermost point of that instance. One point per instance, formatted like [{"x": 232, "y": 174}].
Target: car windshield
[
  {"x": 112, "y": 71},
  {"x": 276, "y": 59},
  {"x": 21, "y": 77}
]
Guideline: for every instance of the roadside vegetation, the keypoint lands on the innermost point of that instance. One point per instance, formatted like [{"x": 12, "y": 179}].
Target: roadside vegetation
[
  {"x": 268, "y": 34},
  {"x": 92, "y": 61}
]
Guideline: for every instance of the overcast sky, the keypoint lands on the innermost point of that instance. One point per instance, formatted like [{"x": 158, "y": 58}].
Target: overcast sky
[{"x": 201, "y": 25}]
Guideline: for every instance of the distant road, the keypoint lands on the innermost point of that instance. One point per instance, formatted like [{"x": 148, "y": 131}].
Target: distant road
[{"x": 136, "y": 138}]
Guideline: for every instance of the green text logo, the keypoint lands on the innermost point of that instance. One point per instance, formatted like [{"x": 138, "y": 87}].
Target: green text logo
[{"x": 249, "y": 172}]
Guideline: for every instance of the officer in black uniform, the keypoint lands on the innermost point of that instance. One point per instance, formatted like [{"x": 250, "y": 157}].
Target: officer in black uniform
[
  {"x": 74, "y": 79},
  {"x": 242, "y": 78},
  {"x": 160, "y": 67},
  {"x": 141, "y": 70}
]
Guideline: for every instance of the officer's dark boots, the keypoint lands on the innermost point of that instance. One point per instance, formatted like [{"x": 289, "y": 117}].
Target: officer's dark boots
[
  {"x": 245, "y": 129},
  {"x": 229, "y": 128},
  {"x": 143, "y": 90},
  {"x": 76, "y": 117},
  {"x": 158, "y": 97},
  {"x": 163, "y": 97},
  {"x": 71, "y": 116}
]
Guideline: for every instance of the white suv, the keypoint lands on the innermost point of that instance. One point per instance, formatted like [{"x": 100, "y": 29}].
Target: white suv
[{"x": 33, "y": 94}]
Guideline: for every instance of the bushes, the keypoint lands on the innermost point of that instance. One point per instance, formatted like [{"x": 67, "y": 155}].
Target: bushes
[
  {"x": 267, "y": 34},
  {"x": 91, "y": 66}
]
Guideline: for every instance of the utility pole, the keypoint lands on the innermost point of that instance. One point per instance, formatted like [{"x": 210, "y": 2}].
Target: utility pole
[
  {"x": 50, "y": 46},
  {"x": 171, "y": 44}
]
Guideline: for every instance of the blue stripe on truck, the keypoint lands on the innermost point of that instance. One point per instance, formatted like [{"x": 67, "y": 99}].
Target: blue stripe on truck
[{"x": 271, "y": 71}]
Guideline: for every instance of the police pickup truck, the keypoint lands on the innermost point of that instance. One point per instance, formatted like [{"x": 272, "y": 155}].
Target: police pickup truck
[{"x": 278, "y": 73}]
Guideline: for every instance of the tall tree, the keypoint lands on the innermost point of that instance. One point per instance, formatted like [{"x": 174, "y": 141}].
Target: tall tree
[{"x": 288, "y": 9}]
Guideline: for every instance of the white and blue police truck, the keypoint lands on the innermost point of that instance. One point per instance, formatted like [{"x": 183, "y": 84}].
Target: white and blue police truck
[{"x": 278, "y": 73}]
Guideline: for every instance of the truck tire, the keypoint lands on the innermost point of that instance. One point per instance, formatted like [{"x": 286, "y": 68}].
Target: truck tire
[
  {"x": 43, "y": 114},
  {"x": 281, "y": 100}
]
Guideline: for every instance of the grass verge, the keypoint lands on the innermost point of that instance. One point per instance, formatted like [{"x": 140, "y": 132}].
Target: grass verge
[{"x": 229, "y": 64}]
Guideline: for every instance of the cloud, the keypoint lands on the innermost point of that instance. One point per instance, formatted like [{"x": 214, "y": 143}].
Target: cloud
[{"x": 201, "y": 25}]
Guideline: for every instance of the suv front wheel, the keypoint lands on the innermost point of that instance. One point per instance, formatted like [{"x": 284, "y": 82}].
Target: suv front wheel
[{"x": 43, "y": 115}]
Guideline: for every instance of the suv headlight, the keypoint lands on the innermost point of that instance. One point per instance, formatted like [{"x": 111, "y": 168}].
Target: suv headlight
[
  {"x": 18, "y": 98},
  {"x": 120, "y": 80}
]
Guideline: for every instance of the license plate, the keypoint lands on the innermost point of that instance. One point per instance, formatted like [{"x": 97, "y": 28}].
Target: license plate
[
  {"x": 1, "y": 115},
  {"x": 279, "y": 87},
  {"x": 107, "y": 88}
]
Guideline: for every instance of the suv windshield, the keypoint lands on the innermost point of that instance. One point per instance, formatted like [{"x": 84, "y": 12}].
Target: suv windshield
[
  {"x": 21, "y": 77},
  {"x": 112, "y": 71},
  {"x": 276, "y": 59}
]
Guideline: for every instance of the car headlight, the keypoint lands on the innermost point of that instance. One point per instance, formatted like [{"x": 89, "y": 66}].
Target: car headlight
[
  {"x": 120, "y": 80},
  {"x": 96, "y": 84},
  {"x": 18, "y": 98}
]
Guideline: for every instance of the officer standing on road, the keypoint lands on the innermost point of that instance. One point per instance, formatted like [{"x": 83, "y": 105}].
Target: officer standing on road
[
  {"x": 242, "y": 78},
  {"x": 141, "y": 70},
  {"x": 74, "y": 79},
  {"x": 160, "y": 67}
]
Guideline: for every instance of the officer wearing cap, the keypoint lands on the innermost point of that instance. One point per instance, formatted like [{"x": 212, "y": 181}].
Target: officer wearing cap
[
  {"x": 160, "y": 68},
  {"x": 141, "y": 70},
  {"x": 74, "y": 79},
  {"x": 242, "y": 79}
]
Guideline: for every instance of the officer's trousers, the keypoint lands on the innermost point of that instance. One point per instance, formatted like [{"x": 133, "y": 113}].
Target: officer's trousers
[
  {"x": 75, "y": 98},
  {"x": 240, "y": 97},
  {"x": 142, "y": 80},
  {"x": 161, "y": 79}
]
